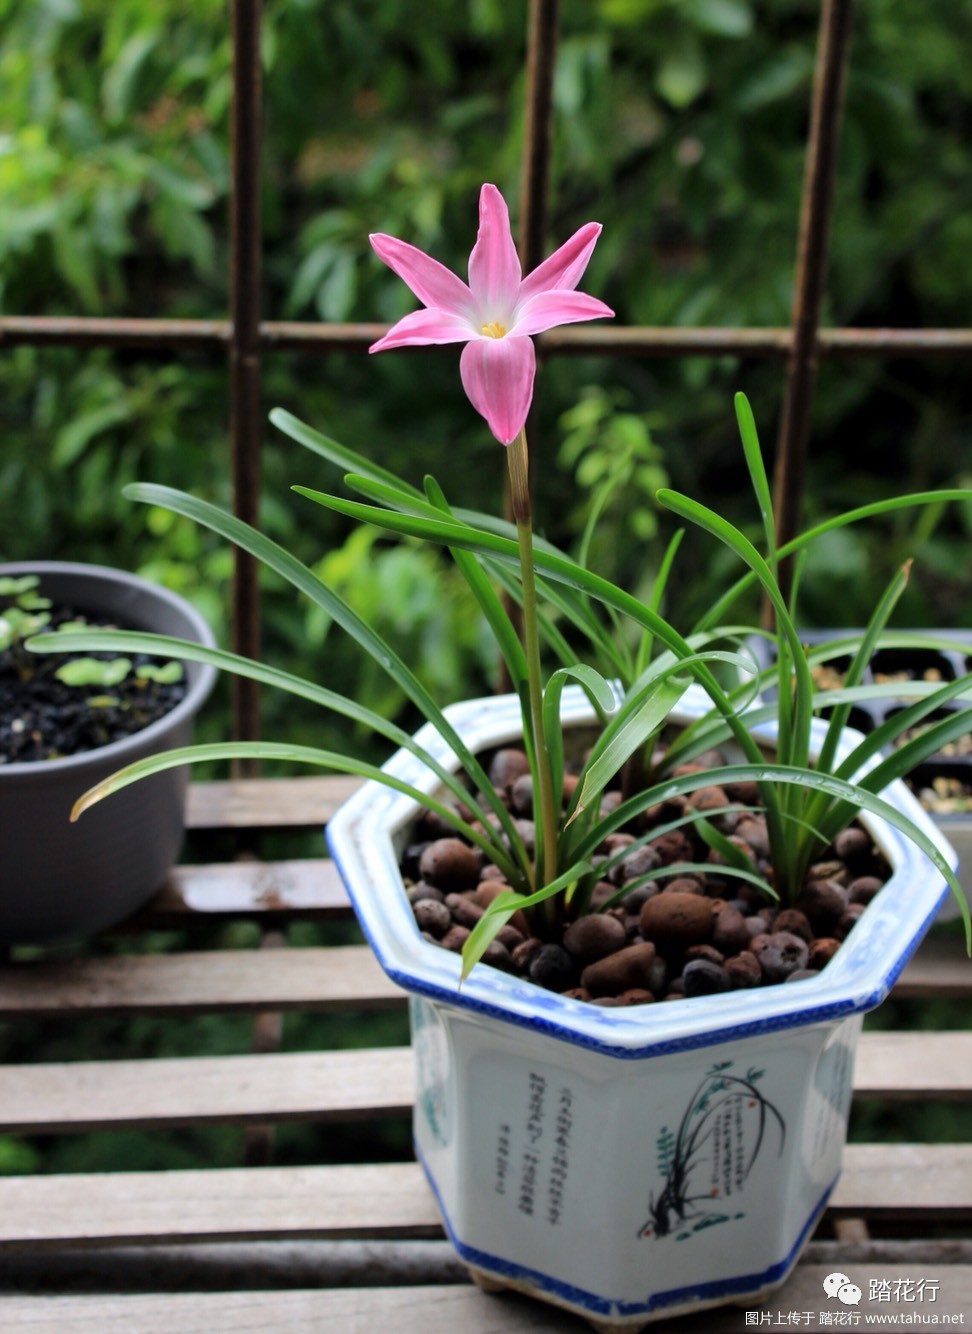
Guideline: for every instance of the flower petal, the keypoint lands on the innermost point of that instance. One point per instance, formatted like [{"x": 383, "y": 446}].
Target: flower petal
[
  {"x": 547, "y": 309},
  {"x": 432, "y": 282},
  {"x": 425, "y": 326},
  {"x": 497, "y": 375},
  {"x": 565, "y": 267},
  {"x": 494, "y": 268}
]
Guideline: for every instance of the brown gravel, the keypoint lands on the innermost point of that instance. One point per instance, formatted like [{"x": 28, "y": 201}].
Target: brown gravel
[{"x": 657, "y": 938}]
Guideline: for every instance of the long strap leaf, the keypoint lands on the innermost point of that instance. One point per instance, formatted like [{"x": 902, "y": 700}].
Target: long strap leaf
[
  {"x": 277, "y": 558},
  {"x": 490, "y": 604},
  {"x": 757, "y": 474},
  {"x": 858, "y": 665},
  {"x": 570, "y": 605},
  {"x": 597, "y": 689},
  {"x": 856, "y": 797},
  {"x": 659, "y": 585},
  {"x": 135, "y": 641},
  {"x": 270, "y": 750},
  {"x": 345, "y": 458},
  {"x": 720, "y": 608},
  {"x": 556, "y": 567},
  {"x": 737, "y": 542},
  {"x": 641, "y": 717}
]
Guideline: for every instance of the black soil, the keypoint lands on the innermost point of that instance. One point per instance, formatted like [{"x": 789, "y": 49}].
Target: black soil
[{"x": 41, "y": 718}]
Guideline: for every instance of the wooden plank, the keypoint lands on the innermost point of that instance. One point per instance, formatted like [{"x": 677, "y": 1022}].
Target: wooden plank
[
  {"x": 898, "y": 1065},
  {"x": 446, "y": 1308},
  {"x": 443, "y": 1309},
  {"x": 310, "y": 886},
  {"x": 940, "y": 968},
  {"x": 234, "y": 1204},
  {"x": 804, "y": 1291},
  {"x": 906, "y": 1181},
  {"x": 344, "y": 978},
  {"x": 213, "y": 1266},
  {"x": 217, "y": 1266},
  {"x": 275, "y": 1086},
  {"x": 268, "y": 803},
  {"x": 290, "y": 979},
  {"x": 388, "y": 1200},
  {"x": 86, "y": 1095}
]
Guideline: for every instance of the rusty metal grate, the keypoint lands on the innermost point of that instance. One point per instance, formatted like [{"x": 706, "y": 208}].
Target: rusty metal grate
[{"x": 245, "y": 338}]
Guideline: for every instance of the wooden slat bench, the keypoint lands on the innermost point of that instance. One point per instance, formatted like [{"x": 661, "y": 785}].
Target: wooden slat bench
[{"x": 354, "y": 1246}]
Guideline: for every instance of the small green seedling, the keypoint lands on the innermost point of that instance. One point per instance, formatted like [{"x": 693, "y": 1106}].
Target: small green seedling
[
  {"x": 161, "y": 673},
  {"x": 26, "y": 613},
  {"x": 94, "y": 672}
]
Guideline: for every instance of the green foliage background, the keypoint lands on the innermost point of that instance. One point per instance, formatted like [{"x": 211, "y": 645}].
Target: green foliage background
[{"x": 680, "y": 126}]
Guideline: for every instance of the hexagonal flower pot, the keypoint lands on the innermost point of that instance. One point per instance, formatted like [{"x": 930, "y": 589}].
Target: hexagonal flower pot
[
  {"x": 626, "y": 1163},
  {"x": 61, "y": 880}
]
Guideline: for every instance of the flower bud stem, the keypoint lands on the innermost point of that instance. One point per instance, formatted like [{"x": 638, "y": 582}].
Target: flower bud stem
[{"x": 545, "y": 813}]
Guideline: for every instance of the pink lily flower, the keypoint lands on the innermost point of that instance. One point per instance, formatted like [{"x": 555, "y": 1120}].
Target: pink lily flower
[{"x": 496, "y": 313}]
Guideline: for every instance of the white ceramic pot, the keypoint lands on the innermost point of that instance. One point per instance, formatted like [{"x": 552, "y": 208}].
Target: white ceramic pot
[{"x": 627, "y": 1163}]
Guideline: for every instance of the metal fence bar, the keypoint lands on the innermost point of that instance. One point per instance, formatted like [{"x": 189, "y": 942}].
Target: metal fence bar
[
  {"x": 245, "y": 417},
  {"x": 542, "y": 32},
  {"x": 571, "y": 340},
  {"x": 101, "y": 331},
  {"x": 816, "y": 209}
]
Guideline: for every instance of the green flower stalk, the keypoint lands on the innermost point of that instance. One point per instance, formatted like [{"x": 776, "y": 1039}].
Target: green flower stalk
[{"x": 544, "y": 796}]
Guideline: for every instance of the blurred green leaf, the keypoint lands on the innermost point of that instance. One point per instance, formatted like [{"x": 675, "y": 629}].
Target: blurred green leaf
[
  {"x": 725, "y": 18},
  {"x": 72, "y": 440},
  {"x": 682, "y": 73}
]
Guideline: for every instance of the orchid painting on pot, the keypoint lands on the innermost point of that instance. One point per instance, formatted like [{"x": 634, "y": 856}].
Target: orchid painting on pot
[{"x": 641, "y": 909}]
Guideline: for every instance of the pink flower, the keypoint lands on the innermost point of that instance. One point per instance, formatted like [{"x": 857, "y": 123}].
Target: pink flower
[{"x": 496, "y": 313}]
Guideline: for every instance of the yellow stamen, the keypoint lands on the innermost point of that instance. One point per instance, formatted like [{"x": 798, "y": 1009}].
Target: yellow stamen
[{"x": 494, "y": 330}]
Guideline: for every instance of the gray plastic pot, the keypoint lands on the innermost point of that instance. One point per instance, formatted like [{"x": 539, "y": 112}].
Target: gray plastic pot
[{"x": 60, "y": 880}]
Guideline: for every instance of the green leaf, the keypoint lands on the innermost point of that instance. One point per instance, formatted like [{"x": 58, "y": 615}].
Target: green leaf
[
  {"x": 345, "y": 458},
  {"x": 554, "y": 566},
  {"x": 723, "y": 18},
  {"x": 165, "y": 673},
  {"x": 564, "y": 600},
  {"x": 507, "y": 641},
  {"x": 805, "y": 841},
  {"x": 94, "y": 671},
  {"x": 269, "y": 750},
  {"x": 136, "y": 641},
  {"x": 508, "y": 902},
  {"x": 682, "y": 74},
  {"x": 659, "y": 586},
  {"x": 14, "y": 586},
  {"x": 963, "y": 495},
  {"x": 794, "y": 737},
  {"x": 277, "y": 558},
  {"x": 862, "y": 656},
  {"x": 757, "y": 472},
  {"x": 597, "y": 689},
  {"x": 641, "y": 716},
  {"x": 122, "y": 75},
  {"x": 73, "y": 439}
]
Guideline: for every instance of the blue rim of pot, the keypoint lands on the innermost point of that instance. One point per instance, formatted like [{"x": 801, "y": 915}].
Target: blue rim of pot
[{"x": 366, "y": 835}]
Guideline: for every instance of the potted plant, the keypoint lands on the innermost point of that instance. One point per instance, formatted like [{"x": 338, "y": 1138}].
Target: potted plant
[
  {"x": 624, "y": 1160},
  {"x": 66, "y": 726}
]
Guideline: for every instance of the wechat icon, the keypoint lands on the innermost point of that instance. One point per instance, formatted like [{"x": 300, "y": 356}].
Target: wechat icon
[{"x": 840, "y": 1286}]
